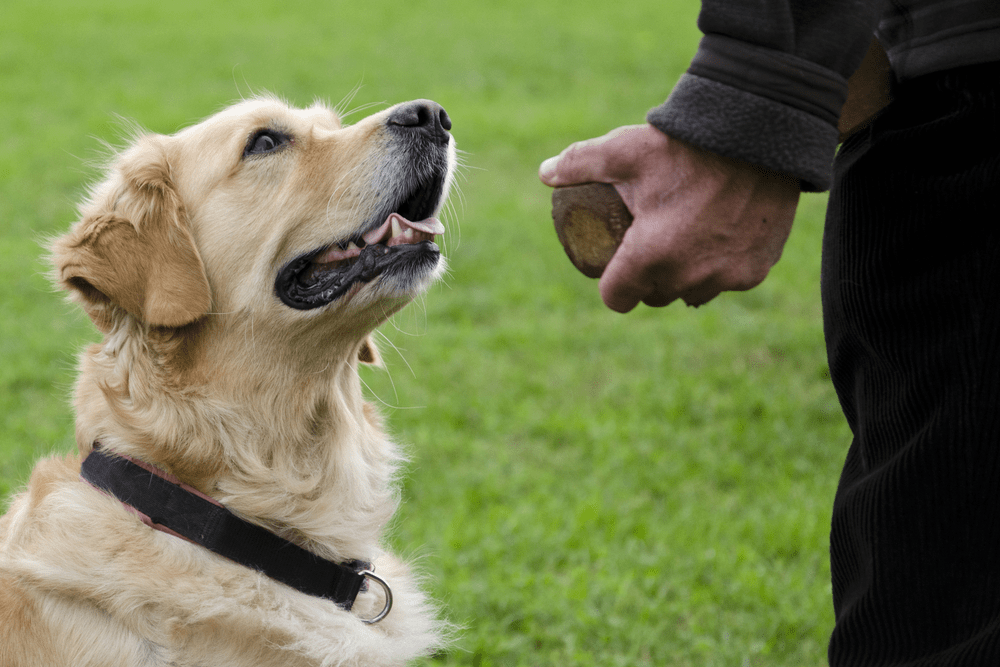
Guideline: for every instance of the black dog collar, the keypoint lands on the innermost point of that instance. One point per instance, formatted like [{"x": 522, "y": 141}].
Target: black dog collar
[{"x": 165, "y": 503}]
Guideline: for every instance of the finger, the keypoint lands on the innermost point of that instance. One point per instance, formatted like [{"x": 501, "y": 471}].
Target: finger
[
  {"x": 622, "y": 285},
  {"x": 620, "y": 299},
  {"x": 582, "y": 162},
  {"x": 701, "y": 294},
  {"x": 579, "y": 163},
  {"x": 701, "y": 300},
  {"x": 657, "y": 300}
]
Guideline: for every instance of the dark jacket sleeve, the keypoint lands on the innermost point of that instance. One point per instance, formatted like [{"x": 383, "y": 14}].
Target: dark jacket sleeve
[{"x": 768, "y": 81}]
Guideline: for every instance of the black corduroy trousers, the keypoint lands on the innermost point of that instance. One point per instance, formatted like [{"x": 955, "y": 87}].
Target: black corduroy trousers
[{"x": 911, "y": 300}]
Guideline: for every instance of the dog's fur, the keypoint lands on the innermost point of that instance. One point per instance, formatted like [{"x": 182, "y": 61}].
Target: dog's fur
[{"x": 205, "y": 373}]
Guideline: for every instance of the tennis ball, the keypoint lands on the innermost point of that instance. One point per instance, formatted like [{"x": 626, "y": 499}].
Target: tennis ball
[{"x": 590, "y": 220}]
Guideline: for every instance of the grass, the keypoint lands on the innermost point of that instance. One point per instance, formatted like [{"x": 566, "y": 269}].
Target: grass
[{"x": 586, "y": 488}]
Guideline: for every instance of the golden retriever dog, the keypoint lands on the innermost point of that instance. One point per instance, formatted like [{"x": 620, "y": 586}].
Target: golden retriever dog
[{"x": 232, "y": 485}]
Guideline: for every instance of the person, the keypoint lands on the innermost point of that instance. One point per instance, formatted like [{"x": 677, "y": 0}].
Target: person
[{"x": 910, "y": 277}]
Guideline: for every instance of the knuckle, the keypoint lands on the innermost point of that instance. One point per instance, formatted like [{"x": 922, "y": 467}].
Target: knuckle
[{"x": 749, "y": 277}]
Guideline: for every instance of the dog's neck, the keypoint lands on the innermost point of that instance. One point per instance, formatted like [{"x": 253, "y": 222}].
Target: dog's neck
[{"x": 295, "y": 450}]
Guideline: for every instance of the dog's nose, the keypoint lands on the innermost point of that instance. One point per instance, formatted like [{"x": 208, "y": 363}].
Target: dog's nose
[{"x": 423, "y": 116}]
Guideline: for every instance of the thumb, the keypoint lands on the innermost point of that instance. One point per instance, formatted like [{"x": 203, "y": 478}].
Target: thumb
[{"x": 583, "y": 162}]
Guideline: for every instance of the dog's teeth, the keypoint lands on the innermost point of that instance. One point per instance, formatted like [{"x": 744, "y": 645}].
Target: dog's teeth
[
  {"x": 352, "y": 246},
  {"x": 397, "y": 229}
]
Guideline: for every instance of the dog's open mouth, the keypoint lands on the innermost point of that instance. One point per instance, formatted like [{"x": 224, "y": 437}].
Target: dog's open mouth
[{"x": 322, "y": 276}]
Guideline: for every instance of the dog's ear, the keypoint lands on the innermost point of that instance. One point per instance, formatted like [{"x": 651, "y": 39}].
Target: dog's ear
[
  {"x": 132, "y": 248},
  {"x": 368, "y": 353}
]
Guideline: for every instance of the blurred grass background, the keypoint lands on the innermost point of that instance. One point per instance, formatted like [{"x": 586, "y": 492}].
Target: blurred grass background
[{"x": 586, "y": 488}]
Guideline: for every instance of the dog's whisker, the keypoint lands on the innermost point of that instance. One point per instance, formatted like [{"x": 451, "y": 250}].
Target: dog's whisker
[
  {"x": 341, "y": 187},
  {"x": 398, "y": 352},
  {"x": 451, "y": 214},
  {"x": 341, "y": 109},
  {"x": 346, "y": 100},
  {"x": 393, "y": 319},
  {"x": 445, "y": 278},
  {"x": 390, "y": 405},
  {"x": 337, "y": 189},
  {"x": 237, "y": 84},
  {"x": 363, "y": 107}
]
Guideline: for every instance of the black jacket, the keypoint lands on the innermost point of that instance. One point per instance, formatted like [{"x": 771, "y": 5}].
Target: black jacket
[{"x": 770, "y": 76}]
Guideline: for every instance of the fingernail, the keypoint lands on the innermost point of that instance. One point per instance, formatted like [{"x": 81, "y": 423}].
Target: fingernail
[{"x": 547, "y": 172}]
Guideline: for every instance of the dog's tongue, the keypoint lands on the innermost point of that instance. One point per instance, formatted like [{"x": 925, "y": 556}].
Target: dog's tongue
[
  {"x": 395, "y": 230},
  {"x": 396, "y": 225},
  {"x": 430, "y": 226}
]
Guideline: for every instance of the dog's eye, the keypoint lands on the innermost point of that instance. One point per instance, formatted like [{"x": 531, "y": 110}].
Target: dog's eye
[{"x": 265, "y": 141}]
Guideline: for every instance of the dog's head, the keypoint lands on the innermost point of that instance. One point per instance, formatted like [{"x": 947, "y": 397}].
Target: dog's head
[{"x": 278, "y": 214}]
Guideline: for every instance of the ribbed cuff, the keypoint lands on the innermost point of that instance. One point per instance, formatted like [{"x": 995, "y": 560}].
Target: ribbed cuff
[{"x": 741, "y": 125}]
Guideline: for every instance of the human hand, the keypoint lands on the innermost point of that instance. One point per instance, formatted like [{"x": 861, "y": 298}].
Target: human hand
[{"x": 703, "y": 223}]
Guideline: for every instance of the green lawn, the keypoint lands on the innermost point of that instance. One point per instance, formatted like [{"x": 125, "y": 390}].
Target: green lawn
[{"x": 586, "y": 488}]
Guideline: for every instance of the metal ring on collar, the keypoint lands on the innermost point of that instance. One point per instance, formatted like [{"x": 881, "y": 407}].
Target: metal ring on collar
[{"x": 388, "y": 597}]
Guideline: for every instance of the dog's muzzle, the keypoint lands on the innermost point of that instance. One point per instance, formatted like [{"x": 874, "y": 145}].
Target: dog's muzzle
[{"x": 398, "y": 241}]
